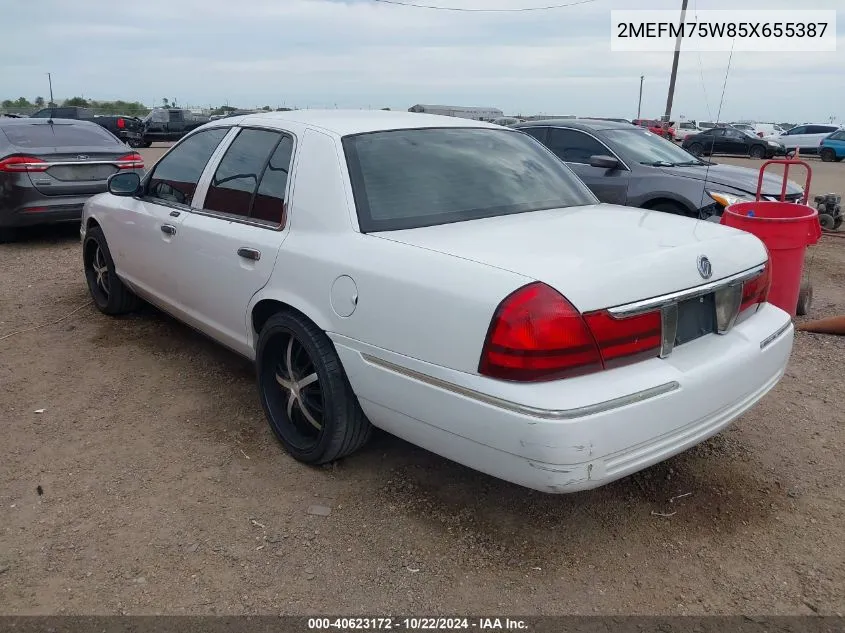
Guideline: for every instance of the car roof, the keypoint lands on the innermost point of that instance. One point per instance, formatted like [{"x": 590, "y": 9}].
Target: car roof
[
  {"x": 578, "y": 124},
  {"x": 345, "y": 122}
]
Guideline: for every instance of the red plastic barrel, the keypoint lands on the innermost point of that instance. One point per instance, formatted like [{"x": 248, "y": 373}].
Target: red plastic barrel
[{"x": 787, "y": 229}]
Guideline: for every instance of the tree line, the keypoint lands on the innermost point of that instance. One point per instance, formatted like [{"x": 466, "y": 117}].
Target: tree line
[{"x": 23, "y": 105}]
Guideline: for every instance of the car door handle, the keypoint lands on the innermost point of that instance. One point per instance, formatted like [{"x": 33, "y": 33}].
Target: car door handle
[
  {"x": 249, "y": 253},
  {"x": 169, "y": 229}
]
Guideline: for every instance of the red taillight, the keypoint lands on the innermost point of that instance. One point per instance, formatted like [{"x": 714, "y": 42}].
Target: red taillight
[
  {"x": 121, "y": 123},
  {"x": 756, "y": 289},
  {"x": 131, "y": 161},
  {"x": 22, "y": 164},
  {"x": 536, "y": 334},
  {"x": 623, "y": 341}
]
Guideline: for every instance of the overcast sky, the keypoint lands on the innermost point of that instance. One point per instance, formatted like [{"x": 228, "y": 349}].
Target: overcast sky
[{"x": 358, "y": 53}]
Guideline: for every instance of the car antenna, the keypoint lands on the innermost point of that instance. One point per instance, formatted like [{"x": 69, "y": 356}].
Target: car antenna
[
  {"x": 52, "y": 103},
  {"x": 718, "y": 116}
]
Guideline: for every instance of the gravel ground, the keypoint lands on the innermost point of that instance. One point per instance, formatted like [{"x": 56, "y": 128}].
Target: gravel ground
[{"x": 137, "y": 475}]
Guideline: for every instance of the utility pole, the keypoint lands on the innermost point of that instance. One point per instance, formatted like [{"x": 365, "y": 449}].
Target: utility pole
[
  {"x": 677, "y": 55},
  {"x": 640, "y": 103}
]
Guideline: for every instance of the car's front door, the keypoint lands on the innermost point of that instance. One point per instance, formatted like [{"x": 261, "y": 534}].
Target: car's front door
[
  {"x": 230, "y": 244},
  {"x": 837, "y": 143},
  {"x": 576, "y": 148},
  {"x": 716, "y": 143},
  {"x": 147, "y": 245},
  {"x": 794, "y": 137}
]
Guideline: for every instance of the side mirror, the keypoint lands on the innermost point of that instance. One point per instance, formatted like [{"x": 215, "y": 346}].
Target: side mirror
[
  {"x": 604, "y": 162},
  {"x": 124, "y": 184}
]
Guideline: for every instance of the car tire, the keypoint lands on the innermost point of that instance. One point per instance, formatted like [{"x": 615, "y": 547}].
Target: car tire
[
  {"x": 828, "y": 155},
  {"x": 837, "y": 222},
  {"x": 305, "y": 393},
  {"x": 135, "y": 144},
  {"x": 696, "y": 149},
  {"x": 827, "y": 221},
  {"x": 109, "y": 293},
  {"x": 757, "y": 151}
]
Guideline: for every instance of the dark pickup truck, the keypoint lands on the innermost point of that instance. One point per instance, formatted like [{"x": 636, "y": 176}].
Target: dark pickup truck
[
  {"x": 170, "y": 124},
  {"x": 127, "y": 128}
]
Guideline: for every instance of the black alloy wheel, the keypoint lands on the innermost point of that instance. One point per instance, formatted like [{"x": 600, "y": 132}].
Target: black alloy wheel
[
  {"x": 306, "y": 395},
  {"x": 109, "y": 293}
]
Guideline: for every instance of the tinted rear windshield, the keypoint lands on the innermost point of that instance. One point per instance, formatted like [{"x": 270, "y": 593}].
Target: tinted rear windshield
[
  {"x": 59, "y": 135},
  {"x": 404, "y": 179}
]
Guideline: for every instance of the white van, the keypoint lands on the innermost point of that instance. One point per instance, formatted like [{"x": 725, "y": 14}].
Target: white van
[{"x": 768, "y": 129}]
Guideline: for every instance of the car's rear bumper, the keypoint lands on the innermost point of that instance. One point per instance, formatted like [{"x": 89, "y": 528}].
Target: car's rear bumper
[
  {"x": 44, "y": 211},
  {"x": 124, "y": 135},
  {"x": 579, "y": 433}
]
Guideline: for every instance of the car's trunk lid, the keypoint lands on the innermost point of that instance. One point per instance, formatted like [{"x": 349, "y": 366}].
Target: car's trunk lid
[
  {"x": 598, "y": 256},
  {"x": 74, "y": 171}
]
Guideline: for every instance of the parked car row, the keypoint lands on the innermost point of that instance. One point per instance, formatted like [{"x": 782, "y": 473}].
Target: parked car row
[
  {"x": 160, "y": 124},
  {"x": 631, "y": 166},
  {"x": 522, "y": 328},
  {"x": 128, "y": 129}
]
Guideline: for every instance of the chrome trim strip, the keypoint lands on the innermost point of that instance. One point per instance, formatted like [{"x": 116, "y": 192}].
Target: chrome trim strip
[
  {"x": 646, "y": 305},
  {"x": 536, "y": 412},
  {"x": 771, "y": 338},
  {"x": 65, "y": 163}
]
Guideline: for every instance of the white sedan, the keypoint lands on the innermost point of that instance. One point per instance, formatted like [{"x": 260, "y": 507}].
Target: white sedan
[{"x": 449, "y": 281}]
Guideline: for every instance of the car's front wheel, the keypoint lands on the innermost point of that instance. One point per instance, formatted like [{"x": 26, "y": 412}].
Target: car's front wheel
[
  {"x": 757, "y": 151},
  {"x": 109, "y": 293},
  {"x": 306, "y": 395},
  {"x": 696, "y": 149},
  {"x": 828, "y": 155}
]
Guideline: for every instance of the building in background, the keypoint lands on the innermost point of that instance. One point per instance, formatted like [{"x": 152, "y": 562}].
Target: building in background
[{"x": 478, "y": 114}]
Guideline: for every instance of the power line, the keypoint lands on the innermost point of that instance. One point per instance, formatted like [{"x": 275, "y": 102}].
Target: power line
[{"x": 462, "y": 10}]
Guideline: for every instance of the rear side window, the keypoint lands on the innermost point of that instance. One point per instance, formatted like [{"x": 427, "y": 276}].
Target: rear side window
[
  {"x": 404, "y": 179},
  {"x": 269, "y": 203},
  {"x": 821, "y": 129},
  {"x": 175, "y": 177},
  {"x": 537, "y": 132},
  {"x": 61, "y": 135},
  {"x": 236, "y": 179},
  {"x": 575, "y": 147}
]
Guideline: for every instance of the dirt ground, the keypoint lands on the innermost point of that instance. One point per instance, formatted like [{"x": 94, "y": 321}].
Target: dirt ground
[{"x": 137, "y": 475}]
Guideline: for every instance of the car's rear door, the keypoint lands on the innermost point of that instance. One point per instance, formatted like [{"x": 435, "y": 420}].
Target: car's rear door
[
  {"x": 576, "y": 148},
  {"x": 735, "y": 142},
  {"x": 146, "y": 244},
  {"x": 230, "y": 243},
  {"x": 816, "y": 134}
]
